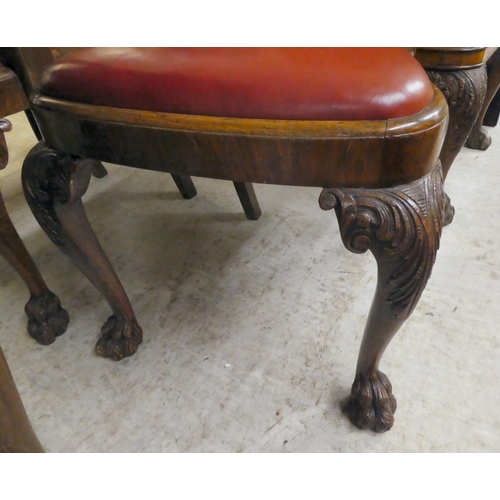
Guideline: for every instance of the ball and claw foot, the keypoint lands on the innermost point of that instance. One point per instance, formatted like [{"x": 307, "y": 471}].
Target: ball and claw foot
[
  {"x": 120, "y": 338},
  {"x": 371, "y": 404},
  {"x": 449, "y": 211},
  {"x": 46, "y": 318},
  {"x": 478, "y": 139}
]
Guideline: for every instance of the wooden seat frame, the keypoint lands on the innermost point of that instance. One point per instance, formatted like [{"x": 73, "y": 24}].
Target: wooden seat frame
[{"x": 382, "y": 178}]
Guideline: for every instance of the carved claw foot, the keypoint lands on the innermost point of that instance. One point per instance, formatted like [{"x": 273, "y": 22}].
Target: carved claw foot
[
  {"x": 371, "y": 404},
  {"x": 478, "y": 139},
  {"x": 449, "y": 211},
  {"x": 120, "y": 338},
  {"x": 46, "y": 318}
]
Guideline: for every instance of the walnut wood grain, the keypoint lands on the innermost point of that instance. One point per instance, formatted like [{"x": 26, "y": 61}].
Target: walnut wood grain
[{"x": 452, "y": 58}]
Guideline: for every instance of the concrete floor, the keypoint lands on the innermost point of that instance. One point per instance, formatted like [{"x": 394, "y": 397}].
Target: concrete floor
[{"x": 252, "y": 328}]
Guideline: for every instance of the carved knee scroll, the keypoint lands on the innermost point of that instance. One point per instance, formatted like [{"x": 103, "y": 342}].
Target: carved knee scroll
[
  {"x": 401, "y": 226},
  {"x": 54, "y": 183}
]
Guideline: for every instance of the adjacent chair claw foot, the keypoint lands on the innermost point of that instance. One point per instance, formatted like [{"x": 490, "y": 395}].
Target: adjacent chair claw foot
[
  {"x": 478, "y": 139},
  {"x": 449, "y": 211},
  {"x": 401, "y": 226},
  {"x": 46, "y": 318},
  {"x": 371, "y": 404},
  {"x": 120, "y": 338}
]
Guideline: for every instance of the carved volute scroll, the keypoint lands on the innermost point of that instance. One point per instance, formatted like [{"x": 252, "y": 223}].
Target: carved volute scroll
[
  {"x": 50, "y": 182},
  {"x": 401, "y": 226}
]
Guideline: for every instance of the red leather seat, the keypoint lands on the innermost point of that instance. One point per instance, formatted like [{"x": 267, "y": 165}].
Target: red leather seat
[{"x": 268, "y": 83}]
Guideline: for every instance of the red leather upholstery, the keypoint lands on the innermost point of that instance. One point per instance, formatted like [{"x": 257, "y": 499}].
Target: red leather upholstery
[{"x": 271, "y": 83}]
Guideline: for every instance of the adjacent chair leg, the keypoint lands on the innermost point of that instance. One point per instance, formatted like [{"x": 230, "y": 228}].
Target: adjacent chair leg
[
  {"x": 99, "y": 170},
  {"x": 46, "y": 318},
  {"x": 493, "y": 112},
  {"x": 248, "y": 200},
  {"x": 53, "y": 185},
  {"x": 244, "y": 190},
  {"x": 464, "y": 91},
  {"x": 16, "y": 433},
  {"x": 479, "y": 138},
  {"x": 185, "y": 185},
  {"x": 401, "y": 226}
]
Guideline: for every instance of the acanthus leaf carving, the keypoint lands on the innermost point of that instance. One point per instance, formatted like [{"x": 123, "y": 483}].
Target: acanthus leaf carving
[
  {"x": 47, "y": 178},
  {"x": 401, "y": 226}
]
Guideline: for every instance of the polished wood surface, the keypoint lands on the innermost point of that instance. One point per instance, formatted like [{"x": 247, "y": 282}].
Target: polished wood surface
[
  {"x": 250, "y": 150},
  {"x": 448, "y": 58}
]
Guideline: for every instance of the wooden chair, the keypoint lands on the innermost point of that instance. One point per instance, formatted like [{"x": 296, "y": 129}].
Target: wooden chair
[
  {"x": 364, "y": 125},
  {"x": 46, "y": 318}
]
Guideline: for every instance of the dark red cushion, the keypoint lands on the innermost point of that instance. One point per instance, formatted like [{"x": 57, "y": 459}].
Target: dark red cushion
[{"x": 271, "y": 83}]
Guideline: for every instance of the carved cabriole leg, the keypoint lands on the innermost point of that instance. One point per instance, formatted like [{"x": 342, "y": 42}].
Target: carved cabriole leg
[
  {"x": 479, "y": 138},
  {"x": 401, "y": 226},
  {"x": 54, "y": 184},
  {"x": 46, "y": 318},
  {"x": 464, "y": 91}
]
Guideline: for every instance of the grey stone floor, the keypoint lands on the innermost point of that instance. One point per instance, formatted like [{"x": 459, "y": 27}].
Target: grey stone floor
[{"x": 252, "y": 328}]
